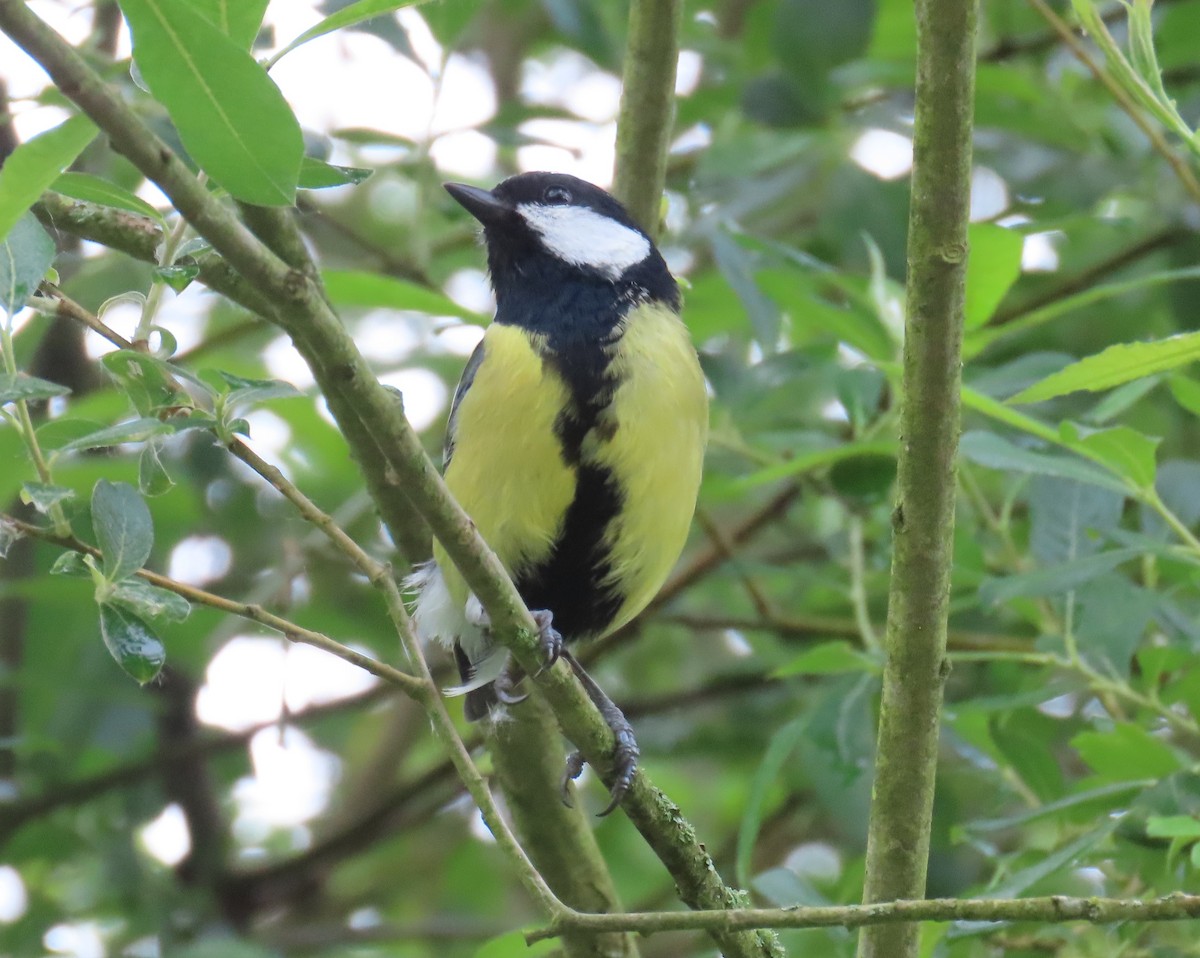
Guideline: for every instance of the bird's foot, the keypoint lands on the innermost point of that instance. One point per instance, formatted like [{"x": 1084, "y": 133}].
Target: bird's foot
[
  {"x": 625, "y": 751},
  {"x": 549, "y": 638},
  {"x": 504, "y": 687}
]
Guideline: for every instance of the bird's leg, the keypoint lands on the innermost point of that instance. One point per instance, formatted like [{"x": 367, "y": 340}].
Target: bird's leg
[{"x": 626, "y": 752}]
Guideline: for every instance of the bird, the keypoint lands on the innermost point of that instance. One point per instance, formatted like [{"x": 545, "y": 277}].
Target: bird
[{"x": 575, "y": 440}]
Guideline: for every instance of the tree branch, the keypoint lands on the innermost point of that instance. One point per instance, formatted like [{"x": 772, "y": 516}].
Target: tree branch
[
  {"x": 923, "y": 520},
  {"x": 360, "y": 404},
  {"x": 1051, "y": 908},
  {"x": 647, "y": 113}
]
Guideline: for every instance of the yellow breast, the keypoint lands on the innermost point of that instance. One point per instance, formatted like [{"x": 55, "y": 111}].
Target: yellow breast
[
  {"x": 656, "y": 452},
  {"x": 507, "y": 470}
]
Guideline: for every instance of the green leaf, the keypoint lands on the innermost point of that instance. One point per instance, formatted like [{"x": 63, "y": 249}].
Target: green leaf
[
  {"x": 92, "y": 189},
  {"x": 737, "y": 266},
  {"x": 20, "y": 386},
  {"x": 1050, "y": 809},
  {"x": 1047, "y": 865},
  {"x": 995, "y": 452},
  {"x": 8, "y": 535},
  {"x": 348, "y": 16},
  {"x": 827, "y": 658},
  {"x": 178, "y": 277},
  {"x": 783, "y": 742},
  {"x": 132, "y": 643},
  {"x": 1126, "y": 752},
  {"x": 230, "y": 115},
  {"x": 24, "y": 258},
  {"x": 1186, "y": 392},
  {"x": 1125, "y": 451},
  {"x": 1118, "y": 364},
  {"x": 239, "y": 20},
  {"x": 145, "y": 380},
  {"x": 149, "y": 601},
  {"x": 33, "y": 166},
  {"x": 352, "y": 288},
  {"x": 71, "y": 564},
  {"x": 512, "y": 945},
  {"x": 1053, "y": 580},
  {"x": 247, "y": 391},
  {"x": 993, "y": 266},
  {"x": 123, "y": 527},
  {"x": 153, "y": 478},
  {"x": 811, "y": 461},
  {"x": 318, "y": 175},
  {"x": 1173, "y": 826},
  {"x": 135, "y": 430},
  {"x": 44, "y": 496}
]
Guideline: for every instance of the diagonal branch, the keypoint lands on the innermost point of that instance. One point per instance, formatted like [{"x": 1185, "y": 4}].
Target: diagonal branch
[{"x": 363, "y": 408}]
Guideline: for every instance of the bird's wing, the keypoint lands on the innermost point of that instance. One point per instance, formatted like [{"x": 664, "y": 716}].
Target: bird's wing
[{"x": 464, "y": 383}]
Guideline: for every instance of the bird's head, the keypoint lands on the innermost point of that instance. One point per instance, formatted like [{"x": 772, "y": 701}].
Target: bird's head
[{"x": 554, "y": 227}]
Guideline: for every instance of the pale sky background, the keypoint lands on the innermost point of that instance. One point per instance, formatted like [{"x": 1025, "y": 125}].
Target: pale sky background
[{"x": 344, "y": 80}]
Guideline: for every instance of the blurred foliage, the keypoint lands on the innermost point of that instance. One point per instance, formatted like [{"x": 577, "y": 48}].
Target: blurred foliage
[{"x": 1072, "y": 723}]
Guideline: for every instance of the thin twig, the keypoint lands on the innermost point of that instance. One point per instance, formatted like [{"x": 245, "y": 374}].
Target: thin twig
[
  {"x": 1051, "y": 908},
  {"x": 1183, "y": 170}
]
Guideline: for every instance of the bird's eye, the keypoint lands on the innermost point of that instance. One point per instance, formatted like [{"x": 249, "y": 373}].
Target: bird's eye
[{"x": 557, "y": 195}]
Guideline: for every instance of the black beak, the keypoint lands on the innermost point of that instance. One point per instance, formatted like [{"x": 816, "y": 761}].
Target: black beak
[{"x": 479, "y": 203}]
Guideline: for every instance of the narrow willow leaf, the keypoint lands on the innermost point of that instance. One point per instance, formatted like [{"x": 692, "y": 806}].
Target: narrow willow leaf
[
  {"x": 353, "y": 288},
  {"x": 1116, "y": 365},
  {"x": 1053, "y": 580},
  {"x": 828, "y": 658},
  {"x": 993, "y": 266},
  {"x": 92, "y": 189},
  {"x": 995, "y": 452},
  {"x": 33, "y": 166},
  {"x": 24, "y": 258},
  {"x": 736, "y": 265},
  {"x": 1047, "y": 865},
  {"x": 136, "y": 430},
  {"x": 131, "y": 642},
  {"x": 1050, "y": 809},
  {"x": 230, "y": 115},
  {"x": 782, "y": 744},
  {"x": 1125, "y": 451},
  {"x": 348, "y": 16},
  {"x": 819, "y": 459},
  {"x": 20, "y": 386},
  {"x": 123, "y": 527},
  {"x": 246, "y": 391}
]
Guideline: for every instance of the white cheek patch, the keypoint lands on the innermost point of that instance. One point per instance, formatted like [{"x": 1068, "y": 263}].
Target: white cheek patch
[{"x": 583, "y": 237}]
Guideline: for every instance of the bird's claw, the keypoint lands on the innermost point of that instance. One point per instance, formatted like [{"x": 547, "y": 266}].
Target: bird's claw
[
  {"x": 625, "y": 750},
  {"x": 572, "y": 771},
  {"x": 549, "y": 638},
  {"x": 503, "y": 687}
]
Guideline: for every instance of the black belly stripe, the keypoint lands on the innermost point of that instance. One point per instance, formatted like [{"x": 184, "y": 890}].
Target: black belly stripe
[
  {"x": 571, "y": 582},
  {"x": 578, "y": 320}
]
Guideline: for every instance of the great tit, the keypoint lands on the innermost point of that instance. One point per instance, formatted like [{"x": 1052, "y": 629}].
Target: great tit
[{"x": 576, "y": 435}]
